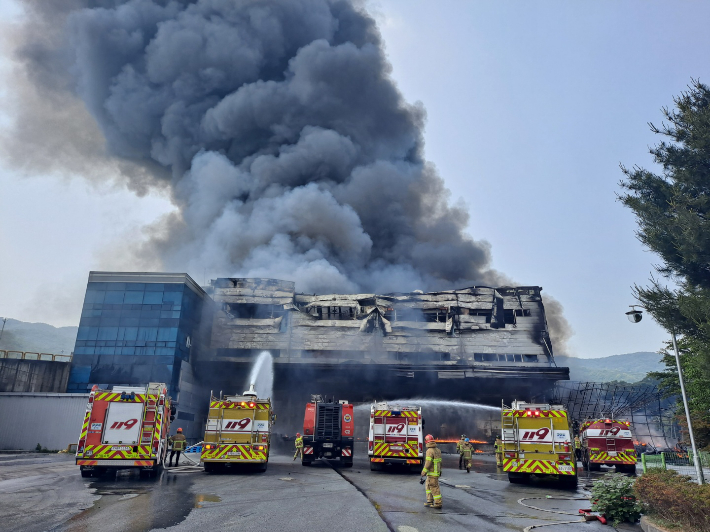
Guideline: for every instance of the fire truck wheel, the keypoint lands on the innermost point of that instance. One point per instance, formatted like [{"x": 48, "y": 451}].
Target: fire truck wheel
[
  {"x": 306, "y": 462},
  {"x": 519, "y": 478},
  {"x": 209, "y": 467},
  {"x": 567, "y": 481},
  {"x": 110, "y": 472},
  {"x": 86, "y": 473},
  {"x": 416, "y": 468},
  {"x": 348, "y": 463},
  {"x": 262, "y": 467},
  {"x": 594, "y": 467},
  {"x": 630, "y": 469},
  {"x": 375, "y": 466}
]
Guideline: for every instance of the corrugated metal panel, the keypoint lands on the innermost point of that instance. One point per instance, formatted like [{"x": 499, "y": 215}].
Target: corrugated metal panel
[{"x": 51, "y": 419}]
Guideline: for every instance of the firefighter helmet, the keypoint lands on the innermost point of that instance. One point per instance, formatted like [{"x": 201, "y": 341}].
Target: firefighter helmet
[
  {"x": 298, "y": 435},
  {"x": 463, "y": 436},
  {"x": 467, "y": 440},
  {"x": 179, "y": 430},
  {"x": 429, "y": 438}
]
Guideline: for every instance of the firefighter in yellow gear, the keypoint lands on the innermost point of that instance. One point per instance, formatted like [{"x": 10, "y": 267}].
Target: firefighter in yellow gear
[
  {"x": 577, "y": 448},
  {"x": 432, "y": 470},
  {"x": 177, "y": 445},
  {"x": 467, "y": 453},
  {"x": 499, "y": 451},
  {"x": 299, "y": 446},
  {"x": 459, "y": 446}
]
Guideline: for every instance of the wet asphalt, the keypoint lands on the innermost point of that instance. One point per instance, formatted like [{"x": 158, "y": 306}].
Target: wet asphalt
[{"x": 40, "y": 492}]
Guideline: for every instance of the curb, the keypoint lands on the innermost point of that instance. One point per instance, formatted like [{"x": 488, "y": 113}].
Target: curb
[{"x": 648, "y": 526}]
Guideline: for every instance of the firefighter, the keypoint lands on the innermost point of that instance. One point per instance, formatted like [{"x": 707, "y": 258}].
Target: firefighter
[
  {"x": 459, "y": 446},
  {"x": 177, "y": 443},
  {"x": 432, "y": 470},
  {"x": 299, "y": 446},
  {"x": 467, "y": 453},
  {"x": 577, "y": 448},
  {"x": 499, "y": 451}
]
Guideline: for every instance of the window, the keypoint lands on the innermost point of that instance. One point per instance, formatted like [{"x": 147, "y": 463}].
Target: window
[
  {"x": 530, "y": 358},
  {"x": 152, "y": 298},
  {"x": 133, "y": 298},
  {"x": 522, "y": 312},
  {"x": 114, "y": 297},
  {"x": 108, "y": 333}
]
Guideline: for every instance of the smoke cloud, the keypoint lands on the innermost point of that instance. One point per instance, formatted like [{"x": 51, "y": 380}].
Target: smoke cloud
[{"x": 274, "y": 124}]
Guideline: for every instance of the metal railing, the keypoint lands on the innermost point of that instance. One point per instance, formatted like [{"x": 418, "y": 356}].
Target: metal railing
[
  {"x": 22, "y": 355},
  {"x": 678, "y": 461}
]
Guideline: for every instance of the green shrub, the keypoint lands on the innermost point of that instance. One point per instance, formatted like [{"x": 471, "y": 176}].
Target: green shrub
[
  {"x": 613, "y": 496},
  {"x": 675, "y": 498}
]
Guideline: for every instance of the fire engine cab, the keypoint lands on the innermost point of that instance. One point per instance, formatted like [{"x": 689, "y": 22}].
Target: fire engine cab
[
  {"x": 536, "y": 440},
  {"x": 328, "y": 431},
  {"x": 238, "y": 431},
  {"x": 395, "y": 436},
  {"x": 608, "y": 442},
  {"x": 125, "y": 427}
]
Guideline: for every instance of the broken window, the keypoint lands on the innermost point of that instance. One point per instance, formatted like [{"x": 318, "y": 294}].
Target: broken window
[{"x": 529, "y": 358}]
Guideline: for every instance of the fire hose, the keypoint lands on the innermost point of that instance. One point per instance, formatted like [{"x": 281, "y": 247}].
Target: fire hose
[{"x": 527, "y": 529}]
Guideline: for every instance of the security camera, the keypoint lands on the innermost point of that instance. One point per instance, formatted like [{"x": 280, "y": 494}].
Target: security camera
[{"x": 634, "y": 314}]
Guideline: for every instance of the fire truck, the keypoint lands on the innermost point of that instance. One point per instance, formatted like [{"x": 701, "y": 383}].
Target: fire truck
[
  {"x": 536, "y": 440},
  {"x": 328, "y": 431},
  {"x": 396, "y": 436},
  {"x": 608, "y": 442},
  {"x": 238, "y": 431},
  {"x": 125, "y": 427}
]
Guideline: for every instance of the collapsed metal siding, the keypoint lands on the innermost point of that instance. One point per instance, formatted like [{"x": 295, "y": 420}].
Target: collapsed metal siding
[{"x": 51, "y": 419}]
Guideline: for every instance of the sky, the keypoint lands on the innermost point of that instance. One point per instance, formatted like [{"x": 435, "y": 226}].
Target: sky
[{"x": 531, "y": 107}]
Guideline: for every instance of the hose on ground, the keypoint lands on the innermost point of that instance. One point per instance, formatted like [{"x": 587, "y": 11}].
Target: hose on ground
[{"x": 527, "y": 529}]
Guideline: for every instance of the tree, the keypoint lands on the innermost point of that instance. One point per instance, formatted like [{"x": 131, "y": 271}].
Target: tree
[{"x": 673, "y": 214}]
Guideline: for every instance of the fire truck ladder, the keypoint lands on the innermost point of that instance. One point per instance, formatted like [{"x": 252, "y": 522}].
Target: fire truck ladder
[
  {"x": 610, "y": 442},
  {"x": 150, "y": 414},
  {"x": 510, "y": 423}
]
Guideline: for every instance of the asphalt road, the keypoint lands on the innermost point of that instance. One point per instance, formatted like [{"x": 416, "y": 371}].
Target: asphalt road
[{"x": 40, "y": 492}]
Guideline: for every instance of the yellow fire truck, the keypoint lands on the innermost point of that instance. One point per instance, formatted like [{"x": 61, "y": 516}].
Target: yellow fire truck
[
  {"x": 238, "y": 431},
  {"x": 536, "y": 441}
]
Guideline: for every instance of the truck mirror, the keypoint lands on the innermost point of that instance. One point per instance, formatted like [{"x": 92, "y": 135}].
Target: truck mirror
[{"x": 423, "y": 422}]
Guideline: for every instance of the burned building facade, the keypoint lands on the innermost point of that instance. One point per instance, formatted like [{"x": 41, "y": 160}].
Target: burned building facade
[
  {"x": 480, "y": 344},
  {"x": 477, "y": 343}
]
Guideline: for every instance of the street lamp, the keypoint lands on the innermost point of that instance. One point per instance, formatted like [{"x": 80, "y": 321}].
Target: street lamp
[{"x": 635, "y": 316}]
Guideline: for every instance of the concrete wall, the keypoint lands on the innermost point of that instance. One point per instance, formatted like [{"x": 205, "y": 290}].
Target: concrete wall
[
  {"x": 33, "y": 375},
  {"x": 51, "y": 419}
]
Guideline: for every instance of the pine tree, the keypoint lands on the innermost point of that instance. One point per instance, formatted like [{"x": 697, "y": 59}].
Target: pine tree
[{"x": 673, "y": 214}]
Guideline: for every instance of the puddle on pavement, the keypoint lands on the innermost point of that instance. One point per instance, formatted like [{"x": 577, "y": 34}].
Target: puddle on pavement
[
  {"x": 136, "y": 505},
  {"x": 201, "y": 498}
]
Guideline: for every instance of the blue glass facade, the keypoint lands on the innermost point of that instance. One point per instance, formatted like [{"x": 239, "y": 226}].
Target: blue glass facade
[{"x": 135, "y": 330}]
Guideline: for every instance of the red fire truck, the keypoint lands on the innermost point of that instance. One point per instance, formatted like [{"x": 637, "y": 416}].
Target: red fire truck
[
  {"x": 395, "y": 436},
  {"x": 126, "y": 427},
  {"x": 608, "y": 442},
  {"x": 328, "y": 431}
]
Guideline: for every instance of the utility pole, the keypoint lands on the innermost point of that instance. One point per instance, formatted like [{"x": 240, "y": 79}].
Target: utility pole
[
  {"x": 696, "y": 458},
  {"x": 4, "y": 320}
]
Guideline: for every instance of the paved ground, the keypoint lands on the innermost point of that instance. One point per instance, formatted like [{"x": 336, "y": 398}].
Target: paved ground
[{"x": 45, "y": 492}]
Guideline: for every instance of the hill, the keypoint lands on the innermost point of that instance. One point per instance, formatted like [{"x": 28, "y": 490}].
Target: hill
[
  {"x": 37, "y": 337},
  {"x": 631, "y": 367}
]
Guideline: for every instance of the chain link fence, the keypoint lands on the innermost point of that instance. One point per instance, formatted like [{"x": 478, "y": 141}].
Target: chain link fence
[{"x": 680, "y": 461}]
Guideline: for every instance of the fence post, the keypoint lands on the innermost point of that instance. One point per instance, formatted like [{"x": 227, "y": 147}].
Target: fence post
[
  {"x": 643, "y": 462},
  {"x": 663, "y": 460}
]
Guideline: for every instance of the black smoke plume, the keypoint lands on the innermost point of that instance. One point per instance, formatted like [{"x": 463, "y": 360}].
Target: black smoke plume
[
  {"x": 274, "y": 124},
  {"x": 284, "y": 142}
]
